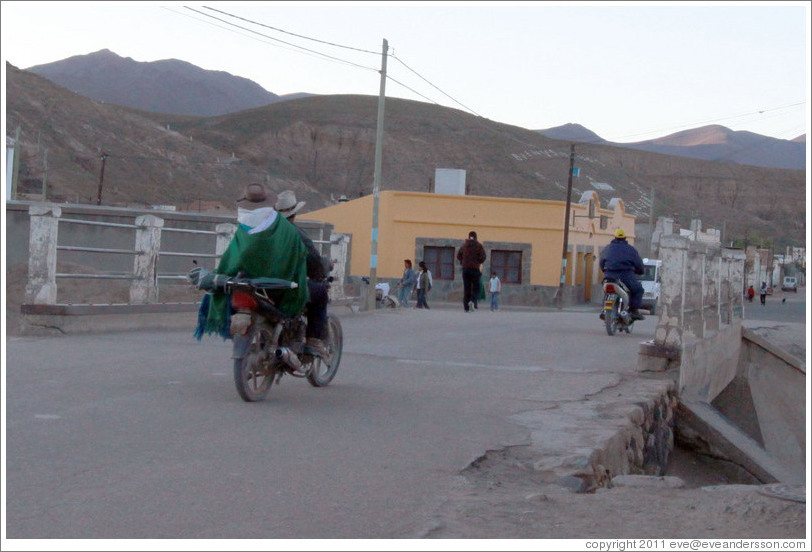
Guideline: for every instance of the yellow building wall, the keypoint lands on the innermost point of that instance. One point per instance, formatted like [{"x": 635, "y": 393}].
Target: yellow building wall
[{"x": 405, "y": 216}]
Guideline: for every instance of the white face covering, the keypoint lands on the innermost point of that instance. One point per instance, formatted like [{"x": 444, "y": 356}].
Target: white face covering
[{"x": 256, "y": 219}]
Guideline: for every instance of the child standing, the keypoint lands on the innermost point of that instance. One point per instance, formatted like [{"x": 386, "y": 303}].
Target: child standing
[{"x": 495, "y": 289}]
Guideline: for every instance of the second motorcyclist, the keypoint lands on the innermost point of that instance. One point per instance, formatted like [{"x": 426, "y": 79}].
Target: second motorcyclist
[
  {"x": 318, "y": 269},
  {"x": 621, "y": 261}
]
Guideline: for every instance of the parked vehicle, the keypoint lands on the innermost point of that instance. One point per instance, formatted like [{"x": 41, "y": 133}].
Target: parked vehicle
[
  {"x": 616, "y": 315},
  {"x": 790, "y": 284},
  {"x": 267, "y": 343},
  {"x": 651, "y": 284},
  {"x": 382, "y": 297}
]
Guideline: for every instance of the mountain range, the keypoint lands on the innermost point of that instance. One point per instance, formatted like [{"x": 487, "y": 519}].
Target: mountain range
[
  {"x": 323, "y": 146},
  {"x": 180, "y": 88},
  {"x": 712, "y": 143}
]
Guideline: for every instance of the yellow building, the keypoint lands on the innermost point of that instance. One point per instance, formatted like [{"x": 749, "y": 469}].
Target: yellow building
[{"x": 523, "y": 239}]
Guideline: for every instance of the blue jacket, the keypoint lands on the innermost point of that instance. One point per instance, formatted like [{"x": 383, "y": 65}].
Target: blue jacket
[{"x": 620, "y": 257}]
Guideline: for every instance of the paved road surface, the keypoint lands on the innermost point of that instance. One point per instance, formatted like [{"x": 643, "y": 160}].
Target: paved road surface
[{"x": 142, "y": 435}]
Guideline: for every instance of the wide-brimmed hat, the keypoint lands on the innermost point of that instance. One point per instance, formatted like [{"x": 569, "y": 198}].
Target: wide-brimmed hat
[
  {"x": 287, "y": 205},
  {"x": 254, "y": 196}
]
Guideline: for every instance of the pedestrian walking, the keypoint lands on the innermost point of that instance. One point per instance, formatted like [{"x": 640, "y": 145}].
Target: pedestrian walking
[
  {"x": 763, "y": 293},
  {"x": 471, "y": 255},
  {"x": 407, "y": 283},
  {"x": 496, "y": 290},
  {"x": 423, "y": 286}
]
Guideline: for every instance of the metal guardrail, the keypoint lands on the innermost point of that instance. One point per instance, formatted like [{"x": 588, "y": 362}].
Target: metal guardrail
[
  {"x": 147, "y": 231},
  {"x": 129, "y": 276}
]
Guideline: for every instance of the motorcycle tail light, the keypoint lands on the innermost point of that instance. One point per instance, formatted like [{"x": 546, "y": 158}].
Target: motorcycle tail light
[
  {"x": 241, "y": 300},
  {"x": 610, "y": 288}
]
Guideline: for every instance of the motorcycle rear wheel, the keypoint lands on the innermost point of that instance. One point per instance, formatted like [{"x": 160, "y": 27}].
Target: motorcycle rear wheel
[
  {"x": 255, "y": 371},
  {"x": 611, "y": 318},
  {"x": 322, "y": 372}
]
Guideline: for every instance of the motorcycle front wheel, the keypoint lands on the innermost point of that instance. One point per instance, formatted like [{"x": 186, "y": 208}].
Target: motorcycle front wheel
[
  {"x": 254, "y": 372},
  {"x": 611, "y": 315},
  {"x": 322, "y": 371}
]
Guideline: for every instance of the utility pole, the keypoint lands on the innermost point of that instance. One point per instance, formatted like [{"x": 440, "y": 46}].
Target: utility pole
[
  {"x": 560, "y": 298},
  {"x": 376, "y": 187},
  {"x": 651, "y": 225},
  {"x": 15, "y": 165},
  {"x": 104, "y": 157},
  {"x": 44, "y": 174}
]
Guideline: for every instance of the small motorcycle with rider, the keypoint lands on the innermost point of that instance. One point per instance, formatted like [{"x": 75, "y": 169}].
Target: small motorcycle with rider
[
  {"x": 268, "y": 297},
  {"x": 268, "y": 344}
]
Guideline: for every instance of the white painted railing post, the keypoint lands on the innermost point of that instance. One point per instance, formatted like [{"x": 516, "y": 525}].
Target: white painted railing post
[
  {"x": 144, "y": 287},
  {"x": 225, "y": 233},
  {"x": 42, "y": 237},
  {"x": 339, "y": 249}
]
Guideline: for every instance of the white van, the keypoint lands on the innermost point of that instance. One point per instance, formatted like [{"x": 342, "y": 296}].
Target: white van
[
  {"x": 790, "y": 284},
  {"x": 651, "y": 284}
]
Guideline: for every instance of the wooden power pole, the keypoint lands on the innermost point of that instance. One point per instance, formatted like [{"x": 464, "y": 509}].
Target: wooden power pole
[{"x": 560, "y": 298}]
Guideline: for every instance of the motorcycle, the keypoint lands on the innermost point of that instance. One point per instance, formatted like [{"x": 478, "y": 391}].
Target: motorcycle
[
  {"x": 616, "y": 315},
  {"x": 382, "y": 297},
  {"x": 267, "y": 343}
]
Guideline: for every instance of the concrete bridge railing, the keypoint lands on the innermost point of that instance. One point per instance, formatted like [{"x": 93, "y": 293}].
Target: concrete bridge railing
[
  {"x": 739, "y": 397},
  {"x": 103, "y": 239},
  {"x": 699, "y": 327},
  {"x": 43, "y": 248}
]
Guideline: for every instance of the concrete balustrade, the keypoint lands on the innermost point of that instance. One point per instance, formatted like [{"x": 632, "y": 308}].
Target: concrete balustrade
[
  {"x": 121, "y": 243},
  {"x": 700, "y": 314}
]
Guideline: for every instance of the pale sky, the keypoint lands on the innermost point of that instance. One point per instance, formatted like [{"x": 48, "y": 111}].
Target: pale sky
[{"x": 627, "y": 71}]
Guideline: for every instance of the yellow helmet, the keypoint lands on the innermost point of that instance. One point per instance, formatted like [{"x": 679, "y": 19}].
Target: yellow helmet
[{"x": 620, "y": 233}]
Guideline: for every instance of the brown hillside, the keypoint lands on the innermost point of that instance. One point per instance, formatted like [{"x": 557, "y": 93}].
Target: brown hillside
[{"x": 324, "y": 146}]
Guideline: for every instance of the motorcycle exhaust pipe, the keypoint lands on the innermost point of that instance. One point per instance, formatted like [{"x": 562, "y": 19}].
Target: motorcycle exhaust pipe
[{"x": 289, "y": 357}]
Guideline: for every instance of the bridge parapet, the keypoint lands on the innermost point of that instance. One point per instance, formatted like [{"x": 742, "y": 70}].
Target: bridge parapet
[
  {"x": 150, "y": 249},
  {"x": 699, "y": 327}
]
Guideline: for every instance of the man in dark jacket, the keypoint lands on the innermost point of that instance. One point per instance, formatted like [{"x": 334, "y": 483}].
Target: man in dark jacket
[
  {"x": 620, "y": 260},
  {"x": 318, "y": 269},
  {"x": 471, "y": 255}
]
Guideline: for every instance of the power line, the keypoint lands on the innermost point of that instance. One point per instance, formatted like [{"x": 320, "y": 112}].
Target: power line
[
  {"x": 708, "y": 121},
  {"x": 434, "y": 86},
  {"x": 388, "y": 76},
  {"x": 292, "y": 34},
  {"x": 253, "y": 22},
  {"x": 344, "y": 61},
  {"x": 333, "y": 58}
]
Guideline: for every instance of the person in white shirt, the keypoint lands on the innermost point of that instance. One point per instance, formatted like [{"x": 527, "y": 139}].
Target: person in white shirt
[{"x": 495, "y": 289}]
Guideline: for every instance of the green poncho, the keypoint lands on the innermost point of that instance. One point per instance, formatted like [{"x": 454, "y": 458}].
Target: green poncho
[{"x": 277, "y": 252}]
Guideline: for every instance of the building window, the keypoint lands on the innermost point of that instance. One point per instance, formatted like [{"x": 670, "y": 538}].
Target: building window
[
  {"x": 440, "y": 261},
  {"x": 508, "y": 265},
  {"x": 604, "y": 222}
]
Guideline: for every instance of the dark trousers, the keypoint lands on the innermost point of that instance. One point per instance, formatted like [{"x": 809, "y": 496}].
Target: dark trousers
[
  {"x": 470, "y": 287},
  {"x": 421, "y": 299},
  {"x": 317, "y": 309}
]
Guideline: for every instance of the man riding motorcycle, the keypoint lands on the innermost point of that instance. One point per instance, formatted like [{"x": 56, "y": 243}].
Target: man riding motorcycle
[
  {"x": 621, "y": 261},
  {"x": 318, "y": 268},
  {"x": 264, "y": 245}
]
